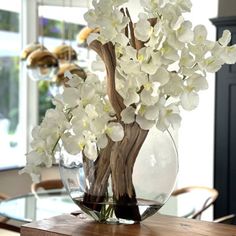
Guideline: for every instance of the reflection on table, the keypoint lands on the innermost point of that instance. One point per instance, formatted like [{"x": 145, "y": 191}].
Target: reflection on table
[
  {"x": 49, "y": 203},
  {"x": 32, "y": 207}
]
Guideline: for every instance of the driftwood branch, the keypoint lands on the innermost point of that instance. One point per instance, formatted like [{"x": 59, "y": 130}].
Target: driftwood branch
[
  {"x": 117, "y": 159},
  {"x": 107, "y": 54}
]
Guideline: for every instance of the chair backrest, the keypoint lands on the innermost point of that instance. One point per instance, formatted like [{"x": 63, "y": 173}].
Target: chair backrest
[
  {"x": 46, "y": 185},
  {"x": 200, "y": 196},
  {"x": 229, "y": 219},
  {"x": 3, "y": 197}
]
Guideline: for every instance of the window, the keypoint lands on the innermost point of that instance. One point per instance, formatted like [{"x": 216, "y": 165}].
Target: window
[
  {"x": 58, "y": 25},
  {"x": 23, "y": 102},
  {"x": 10, "y": 47}
]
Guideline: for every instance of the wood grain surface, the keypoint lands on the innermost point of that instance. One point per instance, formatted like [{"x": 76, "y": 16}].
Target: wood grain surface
[{"x": 158, "y": 225}]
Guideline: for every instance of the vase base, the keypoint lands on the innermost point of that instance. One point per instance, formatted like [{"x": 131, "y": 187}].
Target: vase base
[{"x": 106, "y": 212}]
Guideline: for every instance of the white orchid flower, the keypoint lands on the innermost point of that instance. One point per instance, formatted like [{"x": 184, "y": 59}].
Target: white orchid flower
[
  {"x": 189, "y": 100},
  {"x": 169, "y": 53},
  {"x": 115, "y": 131},
  {"x": 91, "y": 111},
  {"x": 168, "y": 116},
  {"x": 129, "y": 67},
  {"x": 152, "y": 6},
  {"x": 102, "y": 141},
  {"x": 143, "y": 30},
  {"x": 150, "y": 94},
  {"x": 212, "y": 64},
  {"x": 131, "y": 97},
  {"x": 107, "y": 17},
  {"x": 161, "y": 76},
  {"x": 200, "y": 34},
  {"x": 229, "y": 55},
  {"x": 225, "y": 39},
  {"x": 73, "y": 144},
  {"x": 197, "y": 82},
  {"x": 174, "y": 42},
  {"x": 172, "y": 15},
  {"x": 149, "y": 60},
  {"x": 185, "y": 33},
  {"x": 35, "y": 157},
  {"x": 184, "y": 5},
  {"x": 71, "y": 97},
  {"x": 200, "y": 50},
  {"x": 128, "y": 115},
  {"x": 151, "y": 112},
  {"x": 174, "y": 87},
  {"x": 74, "y": 80},
  {"x": 90, "y": 150},
  {"x": 186, "y": 60},
  {"x": 144, "y": 123}
]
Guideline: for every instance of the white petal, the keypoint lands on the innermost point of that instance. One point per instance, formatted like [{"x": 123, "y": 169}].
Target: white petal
[
  {"x": 200, "y": 34},
  {"x": 186, "y": 59},
  {"x": 175, "y": 120},
  {"x": 98, "y": 64},
  {"x": 149, "y": 68},
  {"x": 71, "y": 144},
  {"x": 151, "y": 112},
  {"x": 128, "y": 115},
  {"x": 121, "y": 39},
  {"x": 143, "y": 30},
  {"x": 90, "y": 151},
  {"x": 71, "y": 96},
  {"x": 162, "y": 124},
  {"x": 229, "y": 55},
  {"x": 144, "y": 123},
  {"x": 174, "y": 87},
  {"x": 98, "y": 125},
  {"x": 162, "y": 76},
  {"x": 92, "y": 37},
  {"x": 189, "y": 100},
  {"x": 147, "y": 97},
  {"x": 91, "y": 111},
  {"x": 197, "y": 82},
  {"x": 35, "y": 132},
  {"x": 185, "y": 34},
  {"x": 170, "y": 53},
  {"x": 34, "y": 158},
  {"x": 74, "y": 81},
  {"x": 185, "y": 5},
  {"x": 225, "y": 39},
  {"x": 213, "y": 64},
  {"x": 131, "y": 97},
  {"x": 102, "y": 141},
  {"x": 115, "y": 131}
]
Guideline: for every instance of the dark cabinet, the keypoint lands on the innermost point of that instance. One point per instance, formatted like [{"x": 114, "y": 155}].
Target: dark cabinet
[{"x": 225, "y": 129}]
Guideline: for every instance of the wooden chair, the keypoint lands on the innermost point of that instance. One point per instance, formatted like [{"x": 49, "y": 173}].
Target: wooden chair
[
  {"x": 204, "y": 198},
  {"x": 46, "y": 185},
  {"x": 3, "y": 197},
  {"x": 229, "y": 219},
  {"x": 3, "y": 220}
]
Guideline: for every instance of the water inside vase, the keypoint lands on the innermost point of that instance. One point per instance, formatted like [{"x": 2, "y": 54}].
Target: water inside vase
[{"x": 113, "y": 213}]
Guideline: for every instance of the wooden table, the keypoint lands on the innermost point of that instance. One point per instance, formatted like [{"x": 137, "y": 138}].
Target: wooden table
[{"x": 158, "y": 225}]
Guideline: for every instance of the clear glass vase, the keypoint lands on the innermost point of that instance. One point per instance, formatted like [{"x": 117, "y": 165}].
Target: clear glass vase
[{"x": 153, "y": 177}]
